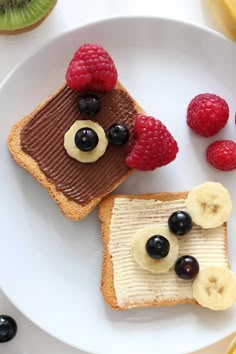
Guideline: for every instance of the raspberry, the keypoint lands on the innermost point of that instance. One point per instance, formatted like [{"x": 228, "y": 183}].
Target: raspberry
[
  {"x": 91, "y": 68},
  {"x": 154, "y": 146},
  {"x": 222, "y": 155},
  {"x": 207, "y": 114}
]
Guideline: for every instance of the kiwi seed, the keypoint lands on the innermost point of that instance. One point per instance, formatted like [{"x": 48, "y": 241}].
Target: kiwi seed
[{"x": 18, "y": 16}]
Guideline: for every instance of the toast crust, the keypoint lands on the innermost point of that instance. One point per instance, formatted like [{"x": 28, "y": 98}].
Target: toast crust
[
  {"x": 107, "y": 280},
  {"x": 69, "y": 208}
]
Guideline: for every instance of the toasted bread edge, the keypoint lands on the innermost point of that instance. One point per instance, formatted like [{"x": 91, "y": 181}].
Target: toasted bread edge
[{"x": 69, "y": 208}]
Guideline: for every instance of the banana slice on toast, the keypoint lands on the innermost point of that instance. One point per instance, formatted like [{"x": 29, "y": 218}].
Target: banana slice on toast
[
  {"x": 144, "y": 260},
  {"x": 215, "y": 287},
  {"x": 209, "y": 205}
]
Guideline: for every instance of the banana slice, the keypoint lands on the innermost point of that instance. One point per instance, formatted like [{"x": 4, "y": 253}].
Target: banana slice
[
  {"x": 232, "y": 347},
  {"x": 224, "y": 12},
  {"x": 209, "y": 205},
  {"x": 215, "y": 287},
  {"x": 85, "y": 156},
  {"x": 144, "y": 260}
]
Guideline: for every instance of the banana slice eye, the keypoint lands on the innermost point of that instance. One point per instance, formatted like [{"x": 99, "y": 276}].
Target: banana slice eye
[
  {"x": 145, "y": 249},
  {"x": 85, "y": 141},
  {"x": 215, "y": 287},
  {"x": 209, "y": 205}
]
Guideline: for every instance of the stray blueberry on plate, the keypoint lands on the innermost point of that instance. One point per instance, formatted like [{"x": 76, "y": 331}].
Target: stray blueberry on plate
[
  {"x": 118, "y": 134},
  {"x": 180, "y": 223},
  {"x": 86, "y": 139},
  {"x": 186, "y": 267},
  {"x": 157, "y": 247},
  {"x": 89, "y": 104},
  {"x": 8, "y": 328}
]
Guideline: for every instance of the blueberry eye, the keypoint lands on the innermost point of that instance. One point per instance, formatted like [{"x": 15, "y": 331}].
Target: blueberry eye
[
  {"x": 89, "y": 104},
  {"x": 118, "y": 134},
  {"x": 157, "y": 247},
  {"x": 186, "y": 267},
  {"x": 180, "y": 223},
  {"x": 86, "y": 139}
]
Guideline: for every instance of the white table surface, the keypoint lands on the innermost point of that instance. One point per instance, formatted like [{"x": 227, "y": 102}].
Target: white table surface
[{"x": 69, "y": 14}]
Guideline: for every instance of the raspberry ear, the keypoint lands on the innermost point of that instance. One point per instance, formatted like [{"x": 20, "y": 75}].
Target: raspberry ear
[
  {"x": 91, "y": 68},
  {"x": 154, "y": 145}
]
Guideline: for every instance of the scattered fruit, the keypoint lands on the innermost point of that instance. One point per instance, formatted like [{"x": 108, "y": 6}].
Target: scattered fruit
[
  {"x": 91, "y": 68},
  {"x": 207, "y": 114},
  {"x": 23, "y": 15},
  {"x": 215, "y": 287},
  {"x": 157, "y": 247},
  {"x": 209, "y": 205},
  {"x": 186, "y": 267},
  {"x": 118, "y": 134},
  {"x": 89, "y": 104},
  {"x": 8, "y": 328},
  {"x": 180, "y": 223},
  {"x": 141, "y": 256},
  {"x": 222, "y": 155},
  {"x": 154, "y": 146},
  {"x": 86, "y": 139}
]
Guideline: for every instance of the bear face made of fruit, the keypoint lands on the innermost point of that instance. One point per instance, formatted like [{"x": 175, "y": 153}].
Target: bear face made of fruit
[
  {"x": 92, "y": 134},
  {"x": 164, "y": 249}
]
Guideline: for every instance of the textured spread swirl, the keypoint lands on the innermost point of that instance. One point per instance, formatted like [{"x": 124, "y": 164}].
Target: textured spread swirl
[
  {"x": 43, "y": 139},
  {"x": 135, "y": 285}
]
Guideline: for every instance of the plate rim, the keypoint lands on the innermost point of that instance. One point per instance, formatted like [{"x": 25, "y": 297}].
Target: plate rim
[
  {"x": 48, "y": 42},
  {"x": 60, "y": 36}
]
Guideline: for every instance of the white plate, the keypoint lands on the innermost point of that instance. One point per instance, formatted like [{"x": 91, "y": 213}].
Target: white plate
[{"x": 50, "y": 266}]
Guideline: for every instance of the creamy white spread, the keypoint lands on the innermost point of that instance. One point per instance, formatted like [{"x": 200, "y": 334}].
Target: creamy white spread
[{"x": 133, "y": 284}]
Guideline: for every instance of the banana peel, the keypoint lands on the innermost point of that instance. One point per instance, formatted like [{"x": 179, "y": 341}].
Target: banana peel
[{"x": 224, "y": 11}]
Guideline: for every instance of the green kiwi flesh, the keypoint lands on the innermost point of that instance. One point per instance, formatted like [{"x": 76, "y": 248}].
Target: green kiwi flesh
[{"x": 21, "y": 15}]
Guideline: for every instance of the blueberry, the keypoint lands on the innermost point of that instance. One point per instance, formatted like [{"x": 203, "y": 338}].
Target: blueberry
[
  {"x": 180, "y": 223},
  {"x": 8, "y": 328},
  {"x": 186, "y": 267},
  {"x": 157, "y": 247},
  {"x": 89, "y": 104},
  {"x": 86, "y": 139},
  {"x": 118, "y": 134}
]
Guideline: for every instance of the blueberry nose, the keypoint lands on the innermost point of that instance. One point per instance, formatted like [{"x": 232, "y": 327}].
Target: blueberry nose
[{"x": 86, "y": 139}]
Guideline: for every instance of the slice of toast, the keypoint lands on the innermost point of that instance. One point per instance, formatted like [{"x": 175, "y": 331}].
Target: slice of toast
[
  {"x": 124, "y": 284},
  {"x": 37, "y": 144}
]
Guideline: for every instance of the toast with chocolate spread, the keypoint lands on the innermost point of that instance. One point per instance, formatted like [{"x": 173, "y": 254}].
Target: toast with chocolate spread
[{"x": 76, "y": 142}]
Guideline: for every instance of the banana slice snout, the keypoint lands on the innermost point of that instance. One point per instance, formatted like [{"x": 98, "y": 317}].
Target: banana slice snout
[
  {"x": 85, "y": 156},
  {"x": 209, "y": 205},
  {"x": 141, "y": 256},
  {"x": 215, "y": 287}
]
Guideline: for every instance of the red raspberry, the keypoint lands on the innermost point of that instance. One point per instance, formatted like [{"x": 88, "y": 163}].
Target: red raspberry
[
  {"x": 154, "y": 147},
  {"x": 91, "y": 68},
  {"x": 207, "y": 114},
  {"x": 222, "y": 155}
]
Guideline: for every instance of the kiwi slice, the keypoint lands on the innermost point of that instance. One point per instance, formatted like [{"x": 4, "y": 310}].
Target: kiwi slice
[{"x": 18, "y": 16}]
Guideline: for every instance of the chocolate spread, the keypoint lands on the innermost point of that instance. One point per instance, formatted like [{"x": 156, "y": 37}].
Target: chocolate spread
[{"x": 43, "y": 139}]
